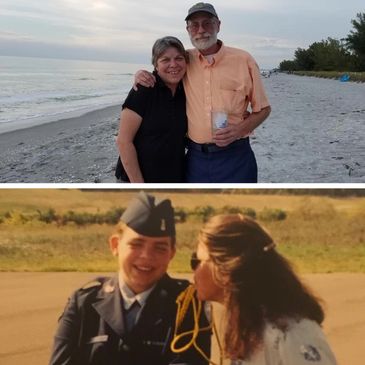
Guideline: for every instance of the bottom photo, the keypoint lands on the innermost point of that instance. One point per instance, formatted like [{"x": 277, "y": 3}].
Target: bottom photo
[{"x": 182, "y": 276}]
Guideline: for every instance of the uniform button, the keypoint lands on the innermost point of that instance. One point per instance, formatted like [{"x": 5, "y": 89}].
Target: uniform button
[{"x": 125, "y": 348}]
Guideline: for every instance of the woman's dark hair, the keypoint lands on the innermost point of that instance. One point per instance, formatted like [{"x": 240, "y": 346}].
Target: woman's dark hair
[
  {"x": 260, "y": 285},
  {"x": 162, "y": 44}
]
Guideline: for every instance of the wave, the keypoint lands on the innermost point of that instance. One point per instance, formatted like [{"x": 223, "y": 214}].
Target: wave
[
  {"x": 121, "y": 74},
  {"x": 52, "y": 115},
  {"x": 74, "y": 97}
]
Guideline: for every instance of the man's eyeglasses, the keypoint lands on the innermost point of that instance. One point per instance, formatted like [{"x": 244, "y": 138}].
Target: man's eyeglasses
[
  {"x": 194, "y": 261},
  {"x": 206, "y": 25}
]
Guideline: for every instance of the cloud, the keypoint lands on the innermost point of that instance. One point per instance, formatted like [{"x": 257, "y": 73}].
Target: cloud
[{"x": 14, "y": 36}]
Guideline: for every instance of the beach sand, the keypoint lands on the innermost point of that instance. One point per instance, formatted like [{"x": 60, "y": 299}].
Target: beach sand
[
  {"x": 303, "y": 140},
  {"x": 73, "y": 150},
  {"x": 32, "y": 302}
]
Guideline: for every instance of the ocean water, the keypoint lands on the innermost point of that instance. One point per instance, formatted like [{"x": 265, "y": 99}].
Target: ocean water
[{"x": 37, "y": 90}]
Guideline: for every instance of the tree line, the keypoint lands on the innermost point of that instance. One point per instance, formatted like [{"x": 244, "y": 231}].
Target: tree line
[
  {"x": 112, "y": 216},
  {"x": 339, "y": 193},
  {"x": 331, "y": 54}
]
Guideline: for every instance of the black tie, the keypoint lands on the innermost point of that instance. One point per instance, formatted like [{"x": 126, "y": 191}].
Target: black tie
[{"x": 131, "y": 315}]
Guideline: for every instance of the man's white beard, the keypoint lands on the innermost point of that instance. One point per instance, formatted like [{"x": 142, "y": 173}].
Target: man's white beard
[{"x": 202, "y": 44}]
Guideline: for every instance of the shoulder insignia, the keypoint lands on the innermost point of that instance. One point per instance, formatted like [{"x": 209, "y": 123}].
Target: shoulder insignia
[
  {"x": 310, "y": 353},
  {"x": 91, "y": 284},
  {"x": 108, "y": 288}
]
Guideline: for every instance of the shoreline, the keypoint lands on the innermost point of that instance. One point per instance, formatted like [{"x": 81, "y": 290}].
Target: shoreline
[
  {"x": 14, "y": 126},
  {"x": 57, "y": 152}
]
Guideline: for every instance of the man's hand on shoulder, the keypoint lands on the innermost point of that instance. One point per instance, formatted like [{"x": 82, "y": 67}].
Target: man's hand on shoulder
[{"x": 144, "y": 78}]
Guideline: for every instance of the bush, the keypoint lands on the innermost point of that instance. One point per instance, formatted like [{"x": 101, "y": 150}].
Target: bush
[
  {"x": 180, "y": 215},
  {"x": 15, "y": 218},
  {"x": 204, "y": 212},
  {"x": 249, "y": 212},
  {"x": 112, "y": 216},
  {"x": 270, "y": 215},
  {"x": 48, "y": 217},
  {"x": 227, "y": 209}
]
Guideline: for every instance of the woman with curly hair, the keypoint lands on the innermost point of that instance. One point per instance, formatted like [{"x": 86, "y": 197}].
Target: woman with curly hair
[{"x": 272, "y": 318}]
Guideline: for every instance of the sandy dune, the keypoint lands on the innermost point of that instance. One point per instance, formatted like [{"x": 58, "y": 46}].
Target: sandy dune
[{"x": 32, "y": 302}]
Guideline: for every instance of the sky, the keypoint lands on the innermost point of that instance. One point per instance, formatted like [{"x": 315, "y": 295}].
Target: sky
[{"x": 125, "y": 30}]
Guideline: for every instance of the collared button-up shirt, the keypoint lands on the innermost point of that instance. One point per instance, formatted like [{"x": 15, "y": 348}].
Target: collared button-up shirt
[
  {"x": 231, "y": 83},
  {"x": 129, "y": 297}
]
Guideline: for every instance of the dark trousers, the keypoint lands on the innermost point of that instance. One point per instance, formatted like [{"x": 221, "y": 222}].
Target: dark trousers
[{"x": 208, "y": 163}]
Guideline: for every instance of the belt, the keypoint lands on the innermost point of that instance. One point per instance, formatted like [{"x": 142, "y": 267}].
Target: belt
[{"x": 212, "y": 147}]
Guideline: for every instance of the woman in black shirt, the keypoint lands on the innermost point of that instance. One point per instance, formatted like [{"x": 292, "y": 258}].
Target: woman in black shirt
[{"x": 153, "y": 122}]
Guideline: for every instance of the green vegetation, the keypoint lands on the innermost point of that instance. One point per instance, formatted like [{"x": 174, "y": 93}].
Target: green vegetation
[
  {"x": 345, "y": 55},
  {"x": 38, "y": 232},
  {"x": 354, "y": 76}
]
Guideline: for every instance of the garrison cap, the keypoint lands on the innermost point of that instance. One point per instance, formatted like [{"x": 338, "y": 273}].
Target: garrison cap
[
  {"x": 204, "y": 7},
  {"x": 150, "y": 217}
]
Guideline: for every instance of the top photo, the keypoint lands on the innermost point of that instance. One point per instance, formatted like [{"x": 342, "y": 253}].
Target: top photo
[{"x": 132, "y": 92}]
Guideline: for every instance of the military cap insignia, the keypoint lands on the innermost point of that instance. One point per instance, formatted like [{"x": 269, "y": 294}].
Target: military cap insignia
[
  {"x": 163, "y": 225},
  {"x": 310, "y": 353}
]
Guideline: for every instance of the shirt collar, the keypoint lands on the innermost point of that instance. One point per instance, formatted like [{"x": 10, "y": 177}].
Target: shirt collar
[
  {"x": 160, "y": 83},
  {"x": 129, "y": 297},
  {"x": 217, "y": 56}
]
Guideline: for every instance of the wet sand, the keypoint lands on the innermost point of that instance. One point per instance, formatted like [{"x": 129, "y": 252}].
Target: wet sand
[
  {"x": 32, "y": 302},
  {"x": 73, "y": 150}
]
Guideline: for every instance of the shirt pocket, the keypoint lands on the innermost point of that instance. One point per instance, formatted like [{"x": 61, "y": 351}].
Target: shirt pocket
[
  {"x": 233, "y": 101},
  {"x": 233, "y": 95}
]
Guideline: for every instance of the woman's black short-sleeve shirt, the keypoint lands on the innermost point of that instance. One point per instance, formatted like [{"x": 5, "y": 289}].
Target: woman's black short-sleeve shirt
[{"x": 160, "y": 139}]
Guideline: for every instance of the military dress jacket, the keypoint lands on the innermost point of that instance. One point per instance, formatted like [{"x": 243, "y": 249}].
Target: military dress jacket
[{"x": 92, "y": 331}]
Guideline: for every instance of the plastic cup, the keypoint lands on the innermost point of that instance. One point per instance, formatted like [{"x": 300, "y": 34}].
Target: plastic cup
[{"x": 219, "y": 120}]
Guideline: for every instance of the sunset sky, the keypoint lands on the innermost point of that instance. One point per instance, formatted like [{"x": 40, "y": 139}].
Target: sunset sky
[{"x": 124, "y": 30}]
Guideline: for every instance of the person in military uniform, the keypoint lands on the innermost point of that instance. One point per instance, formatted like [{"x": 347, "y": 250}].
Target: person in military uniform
[{"x": 129, "y": 319}]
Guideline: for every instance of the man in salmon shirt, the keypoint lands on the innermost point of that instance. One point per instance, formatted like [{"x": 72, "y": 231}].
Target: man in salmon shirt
[{"x": 221, "y": 82}]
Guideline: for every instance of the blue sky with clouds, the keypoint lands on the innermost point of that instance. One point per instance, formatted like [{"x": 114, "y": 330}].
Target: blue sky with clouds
[{"x": 124, "y": 30}]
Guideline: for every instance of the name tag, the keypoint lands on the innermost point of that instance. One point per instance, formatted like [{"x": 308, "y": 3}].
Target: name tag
[
  {"x": 96, "y": 339},
  {"x": 153, "y": 343}
]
